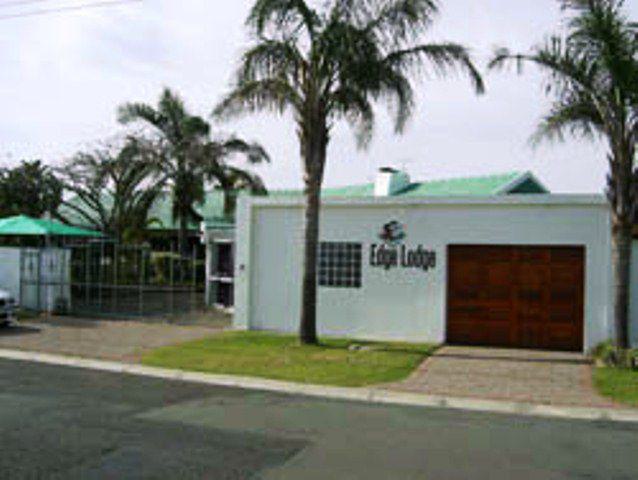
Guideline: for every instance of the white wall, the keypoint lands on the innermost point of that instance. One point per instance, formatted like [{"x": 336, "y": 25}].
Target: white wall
[
  {"x": 47, "y": 278},
  {"x": 403, "y": 304},
  {"x": 633, "y": 306},
  {"x": 10, "y": 271}
]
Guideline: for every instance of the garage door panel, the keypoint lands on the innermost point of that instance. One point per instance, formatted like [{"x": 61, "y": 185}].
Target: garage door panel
[
  {"x": 531, "y": 295},
  {"x": 562, "y": 337},
  {"x": 498, "y": 273},
  {"x": 497, "y": 293},
  {"x": 495, "y": 333},
  {"x": 532, "y": 335},
  {"x": 533, "y": 315},
  {"x": 466, "y": 294},
  {"x": 468, "y": 273},
  {"x": 519, "y": 296}
]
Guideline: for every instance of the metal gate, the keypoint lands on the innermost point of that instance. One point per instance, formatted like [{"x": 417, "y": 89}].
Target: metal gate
[
  {"x": 112, "y": 280},
  {"x": 44, "y": 279}
]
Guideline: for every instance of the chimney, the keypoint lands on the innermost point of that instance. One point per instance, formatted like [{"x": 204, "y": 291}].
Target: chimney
[{"x": 390, "y": 181}]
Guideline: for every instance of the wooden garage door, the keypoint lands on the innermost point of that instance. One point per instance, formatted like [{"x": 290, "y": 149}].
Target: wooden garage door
[{"x": 527, "y": 297}]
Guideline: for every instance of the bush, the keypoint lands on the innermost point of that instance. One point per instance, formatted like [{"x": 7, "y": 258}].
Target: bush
[{"x": 611, "y": 356}]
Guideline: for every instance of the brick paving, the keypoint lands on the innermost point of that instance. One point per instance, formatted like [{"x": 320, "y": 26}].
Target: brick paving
[
  {"x": 108, "y": 340},
  {"x": 502, "y": 374}
]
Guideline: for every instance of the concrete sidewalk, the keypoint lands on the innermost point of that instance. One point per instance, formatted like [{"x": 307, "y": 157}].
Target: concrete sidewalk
[{"x": 370, "y": 395}]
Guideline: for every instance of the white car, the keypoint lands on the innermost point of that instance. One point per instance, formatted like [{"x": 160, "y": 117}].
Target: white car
[{"x": 8, "y": 308}]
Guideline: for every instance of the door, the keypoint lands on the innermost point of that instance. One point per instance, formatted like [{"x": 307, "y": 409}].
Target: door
[{"x": 516, "y": 296}]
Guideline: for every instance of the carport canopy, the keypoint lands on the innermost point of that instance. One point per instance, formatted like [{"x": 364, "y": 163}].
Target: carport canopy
[{"x": 23, "y": 225}]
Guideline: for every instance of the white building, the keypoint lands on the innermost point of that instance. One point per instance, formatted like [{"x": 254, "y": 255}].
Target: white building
[{"x": 486, "y": 261}]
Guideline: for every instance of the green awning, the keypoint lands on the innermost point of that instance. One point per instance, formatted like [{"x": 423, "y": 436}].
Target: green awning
[{"x": 35, "y": 227}]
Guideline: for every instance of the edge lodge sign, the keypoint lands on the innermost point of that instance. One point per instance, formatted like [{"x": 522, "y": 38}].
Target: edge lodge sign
[{"x": 393, "y": 254}]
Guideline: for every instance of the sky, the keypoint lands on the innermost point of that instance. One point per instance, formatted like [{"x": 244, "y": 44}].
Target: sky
[{"x": 63, "y": 75}]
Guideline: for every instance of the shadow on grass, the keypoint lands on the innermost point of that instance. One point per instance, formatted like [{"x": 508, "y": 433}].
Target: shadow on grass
[{"x": 372, "y": 347}]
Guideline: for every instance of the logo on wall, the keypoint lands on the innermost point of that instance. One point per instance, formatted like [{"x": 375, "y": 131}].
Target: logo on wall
[
  {"x": 392, "y": 233},
  {"x": 394, "y": 254}
]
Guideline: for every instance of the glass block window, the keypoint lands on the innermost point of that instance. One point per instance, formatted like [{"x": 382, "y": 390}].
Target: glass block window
[{"x": 340, "y": 264}]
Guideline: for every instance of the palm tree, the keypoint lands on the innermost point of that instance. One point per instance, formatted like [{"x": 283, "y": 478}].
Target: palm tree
[
  {"x": 114, "y": 189},
  {"x": 186, "y": 154},
  {"x": 229, "y": 178},
  {"x": 593, "y": 78},
  {"x": 180, "y": 133},
  {"x": 331, "y": 63}
]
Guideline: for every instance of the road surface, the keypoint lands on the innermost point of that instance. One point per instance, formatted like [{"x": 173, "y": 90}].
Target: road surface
[{"x": 59, "y": 422}]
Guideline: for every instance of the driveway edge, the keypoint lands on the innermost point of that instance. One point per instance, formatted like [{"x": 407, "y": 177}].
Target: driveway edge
[{"x": 370, "y": 395}]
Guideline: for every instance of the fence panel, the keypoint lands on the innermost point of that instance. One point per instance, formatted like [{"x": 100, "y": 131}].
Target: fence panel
[{"x": 133, "y": 281}]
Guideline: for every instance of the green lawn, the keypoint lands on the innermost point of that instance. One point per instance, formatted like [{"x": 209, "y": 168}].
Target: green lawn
[
  {"x": 618, "y": 384},
  {"x": 267, "y": 355}
]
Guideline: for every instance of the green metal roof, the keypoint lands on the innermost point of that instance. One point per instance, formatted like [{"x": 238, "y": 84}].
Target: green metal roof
[
  {"x": 499, "y": 184},
  {"x": 482, "y": 186},
  {"x": 27, "y": 226},
  {"x": 213, "y": 208}
]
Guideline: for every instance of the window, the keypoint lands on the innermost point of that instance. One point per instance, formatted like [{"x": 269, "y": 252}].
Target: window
[{"x": 340, "y": 264}]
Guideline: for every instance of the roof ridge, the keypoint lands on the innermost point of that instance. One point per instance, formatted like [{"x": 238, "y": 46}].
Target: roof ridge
[
  {"x": 478, "y": 177},
  {"x": 413, "y": 182}
]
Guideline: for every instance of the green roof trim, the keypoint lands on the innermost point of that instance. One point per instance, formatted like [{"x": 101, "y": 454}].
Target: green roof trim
[{"x": 33, "y": 227}]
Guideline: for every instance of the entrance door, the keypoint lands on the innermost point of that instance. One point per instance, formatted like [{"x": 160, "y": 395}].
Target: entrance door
[{"x": 516, "y": 296}]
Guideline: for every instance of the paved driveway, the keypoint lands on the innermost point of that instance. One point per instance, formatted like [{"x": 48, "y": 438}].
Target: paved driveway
[
  {"x": 109, "y": 340},
  {"x": 64, "y": 423},
  {"x": 502, "y": 374}
]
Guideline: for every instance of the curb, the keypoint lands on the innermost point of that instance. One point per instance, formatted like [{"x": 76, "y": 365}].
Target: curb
[{"x": 368, "y": 395}]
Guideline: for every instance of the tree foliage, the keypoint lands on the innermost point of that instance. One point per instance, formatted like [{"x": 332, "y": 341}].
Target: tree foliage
[
  {"x": 30, "y": 189},
  {"x": 113, "y": 189},
  {"x": 187, "y": 155}
]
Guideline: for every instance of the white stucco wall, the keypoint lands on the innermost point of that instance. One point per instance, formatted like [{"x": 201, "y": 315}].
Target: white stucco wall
[
  {"x": 48, "y": 277},
  {"x": 10, "y": 271},
  {"x": 404, "y": 304},
  {"x": 633, "y": 306}
]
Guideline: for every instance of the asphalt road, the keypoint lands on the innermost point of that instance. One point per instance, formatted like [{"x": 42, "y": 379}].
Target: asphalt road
[{"x": 68, "y": 423}]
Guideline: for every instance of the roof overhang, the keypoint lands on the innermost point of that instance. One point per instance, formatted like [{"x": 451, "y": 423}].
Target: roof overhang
[{"x": 494, "y": 200}]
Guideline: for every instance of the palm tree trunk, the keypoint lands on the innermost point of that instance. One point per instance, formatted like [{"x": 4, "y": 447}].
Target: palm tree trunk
[
  {"x": 622, "y": 246},
  {"x": 230, "y": 201},
  {"x": 182, "y": 236},
  {"x": 308, "y": 324}
]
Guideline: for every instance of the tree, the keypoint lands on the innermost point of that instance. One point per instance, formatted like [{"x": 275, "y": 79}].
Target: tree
[
  {"x": 30, "y": 189},
  {"x": 592, "y": 76},
  {"x": 229, "y": 178},
  {"x": 113, "y": 189},
  {"x": 188, "y": 153},
  {"x": 331, "y": 63}
]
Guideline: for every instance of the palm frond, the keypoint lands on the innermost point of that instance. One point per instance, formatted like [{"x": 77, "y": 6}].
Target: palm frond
[
  {"x": 254, "y": 152},
  {"x": 272, "y": 59},
  {"x": 270, "y": 94},
  {"x": 396, "y": 21},
  {"x": 282, "y": 15},
  {"x": 357, "y": 109},
  {"x": 575, "y": 116},
  {"x": 443, "y": 58},
  {"x": 133, "y": 112},
  {"x": 239, "y": 179}
]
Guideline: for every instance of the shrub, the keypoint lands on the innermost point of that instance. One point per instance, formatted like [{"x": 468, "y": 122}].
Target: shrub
[{"x": 611, "y": 356}]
